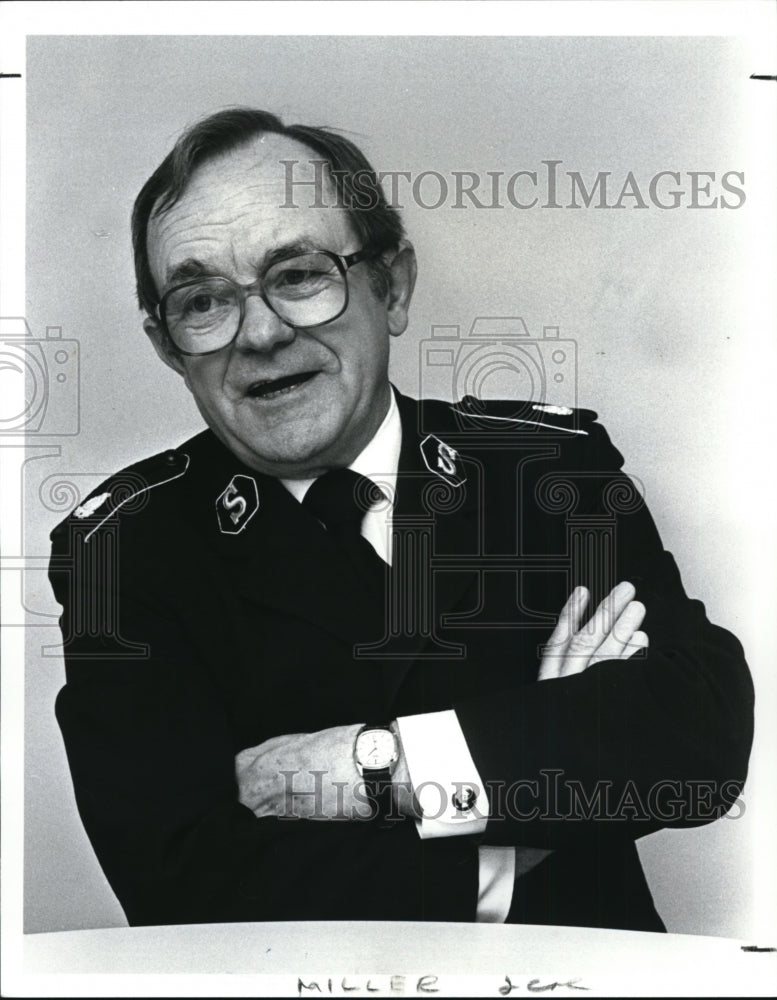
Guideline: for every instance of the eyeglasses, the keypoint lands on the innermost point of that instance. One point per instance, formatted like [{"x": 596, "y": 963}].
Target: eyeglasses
[{"x": 304, "y": 289}]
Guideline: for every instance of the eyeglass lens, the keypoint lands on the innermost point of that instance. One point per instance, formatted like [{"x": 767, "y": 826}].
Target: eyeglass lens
[{"x": 305, "y": 290}]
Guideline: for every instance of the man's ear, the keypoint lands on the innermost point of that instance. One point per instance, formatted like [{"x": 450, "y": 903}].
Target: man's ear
[
  {"x": 162, "y": 345},
  {"x": 403, "y": 270}
]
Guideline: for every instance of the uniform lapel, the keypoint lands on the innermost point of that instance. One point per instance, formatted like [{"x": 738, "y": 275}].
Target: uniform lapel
[
  {"x": 435, "y": 522},
  {"x": 282, "y": 558},
  {"x": 451, "y": 508}
]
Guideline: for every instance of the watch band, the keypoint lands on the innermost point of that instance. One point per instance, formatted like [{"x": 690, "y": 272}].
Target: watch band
[
  {"x": 378, "y": 785},
  {"x": 377, "y": 780}
]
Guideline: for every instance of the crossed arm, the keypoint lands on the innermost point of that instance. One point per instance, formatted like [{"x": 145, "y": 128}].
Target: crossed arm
[
  {"x": 152, "y": 745},
  {"x": 313, "y": 775}
]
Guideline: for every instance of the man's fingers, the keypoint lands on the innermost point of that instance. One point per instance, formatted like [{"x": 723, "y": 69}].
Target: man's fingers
[
  {"x": 608, "y": 613},
  {"x": 616, "y": 645},
  {"x": 570, "y": 618},
  {"x": 568, "y": 624},
  {"x": 639, "y": 641},
  {"x": 612, "y": 633},
  {"x": 588, "y": 639}
]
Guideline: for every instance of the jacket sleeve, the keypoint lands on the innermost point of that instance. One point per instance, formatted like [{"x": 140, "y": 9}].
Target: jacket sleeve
[
  {"x": 626, "y": 747},
  {"x": 151, "y": 751}
]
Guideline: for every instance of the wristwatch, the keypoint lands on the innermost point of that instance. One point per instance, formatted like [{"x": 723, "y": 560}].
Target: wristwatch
[{"x": 376, "y": 752}]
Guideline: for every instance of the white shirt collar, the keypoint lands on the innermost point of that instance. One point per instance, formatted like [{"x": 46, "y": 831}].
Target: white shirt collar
[{"x": 378, "y": 460}]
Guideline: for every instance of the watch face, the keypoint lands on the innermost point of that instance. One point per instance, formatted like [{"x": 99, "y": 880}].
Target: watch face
[{"x": 376, "y": 748}]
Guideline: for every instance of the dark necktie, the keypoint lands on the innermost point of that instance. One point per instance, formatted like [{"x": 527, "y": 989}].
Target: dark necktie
[{"x": 340, "y": 499}]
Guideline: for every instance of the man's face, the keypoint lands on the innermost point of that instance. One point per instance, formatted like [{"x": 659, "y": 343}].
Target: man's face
[{"x": 335, "y": 389}]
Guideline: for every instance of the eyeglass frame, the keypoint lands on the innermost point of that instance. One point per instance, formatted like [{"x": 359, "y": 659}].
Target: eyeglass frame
[{"x": 343, "y": 262}]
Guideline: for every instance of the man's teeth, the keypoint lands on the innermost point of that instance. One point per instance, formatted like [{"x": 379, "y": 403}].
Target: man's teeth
[
  {"x": 280, "y": 386},
  {"x": 277, "y": 392}
]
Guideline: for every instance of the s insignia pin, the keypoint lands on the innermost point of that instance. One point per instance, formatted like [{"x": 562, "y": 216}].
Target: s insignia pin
[
  {"x": 442, "y": 460},
  {"x": 237, "y": 504},
  {"x": 88, "y": 508}
]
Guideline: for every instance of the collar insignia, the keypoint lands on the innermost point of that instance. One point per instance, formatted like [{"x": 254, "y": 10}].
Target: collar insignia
[
  {"x": 442, "y": 460},
  {"x": 88, "y": 508},
  {"x": 237, "y": 504},
  {"x": 559, "y": 411}
]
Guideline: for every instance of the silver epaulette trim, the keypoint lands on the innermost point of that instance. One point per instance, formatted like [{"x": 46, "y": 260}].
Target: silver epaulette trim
[
  {"x": 137, "y": 494},
  {"x": 518, "y": 420}
]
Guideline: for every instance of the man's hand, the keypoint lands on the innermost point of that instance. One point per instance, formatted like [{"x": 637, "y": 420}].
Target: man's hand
[
  {"x": 611, "y": 634},
  {"x": 310, "y": 776},
  {"x": 304, "y": 775},
  {"x": 314, "y": 776}
]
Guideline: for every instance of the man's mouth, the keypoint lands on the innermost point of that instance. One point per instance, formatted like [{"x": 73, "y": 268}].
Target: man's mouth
[{"x": 270, "y": 388}]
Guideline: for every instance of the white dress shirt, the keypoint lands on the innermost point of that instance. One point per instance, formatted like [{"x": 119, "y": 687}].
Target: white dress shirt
[{"x": 436, "y": 752}]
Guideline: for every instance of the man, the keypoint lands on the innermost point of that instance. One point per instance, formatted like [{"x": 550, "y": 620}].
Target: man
[{"x": 259, "y": 713}]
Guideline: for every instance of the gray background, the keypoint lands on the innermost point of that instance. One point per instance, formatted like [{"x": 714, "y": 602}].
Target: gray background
[{"x": 656, "y": 300}]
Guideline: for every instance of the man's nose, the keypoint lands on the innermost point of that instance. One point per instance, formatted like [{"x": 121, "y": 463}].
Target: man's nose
[{"x": 262, "y": 329}]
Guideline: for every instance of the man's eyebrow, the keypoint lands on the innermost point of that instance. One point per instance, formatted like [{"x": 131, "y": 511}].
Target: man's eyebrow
[
  {"x": 303, "y": 245},
  {"x": 193, "y": 268},
  {"x": 187, "y": 269}
]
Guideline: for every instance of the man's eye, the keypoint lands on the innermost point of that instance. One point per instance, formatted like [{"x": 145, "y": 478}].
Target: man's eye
[
  {"x": 294, "y": 277},
  {"x": 203, "y": 303},
  {"x": 200, "y": 303}
]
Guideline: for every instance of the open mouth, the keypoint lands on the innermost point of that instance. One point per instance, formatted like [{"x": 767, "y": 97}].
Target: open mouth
[{"x": 271, "y": 388}]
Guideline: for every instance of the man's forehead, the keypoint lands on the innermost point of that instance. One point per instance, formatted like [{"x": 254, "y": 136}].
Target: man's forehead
[
  {"x": 272, "y": 180},
  {"x": 266, "y": 159}
]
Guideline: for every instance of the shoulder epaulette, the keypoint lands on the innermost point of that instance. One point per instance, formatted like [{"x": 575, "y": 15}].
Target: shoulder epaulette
[
  {"x": 124, "y": 487},
  {"x": 523, "y": 413}
]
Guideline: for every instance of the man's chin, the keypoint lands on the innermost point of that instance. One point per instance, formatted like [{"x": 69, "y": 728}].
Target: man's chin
[{"x": 286, "y": 455}]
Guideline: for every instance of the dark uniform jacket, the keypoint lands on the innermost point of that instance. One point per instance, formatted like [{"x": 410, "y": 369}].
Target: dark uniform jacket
[{"x": 205, "y": 611}]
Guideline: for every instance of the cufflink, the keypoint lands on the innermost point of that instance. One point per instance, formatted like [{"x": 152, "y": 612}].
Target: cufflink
[{"x": 465, "y": 798}]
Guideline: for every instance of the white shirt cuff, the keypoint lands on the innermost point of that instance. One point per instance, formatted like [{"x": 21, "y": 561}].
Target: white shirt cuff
[
  {"x": 445, "y": 781},
  {"x": 496, "y": 875}
]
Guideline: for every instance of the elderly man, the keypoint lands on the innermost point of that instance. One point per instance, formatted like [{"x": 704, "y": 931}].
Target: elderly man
[{"x": 322, "y": 659}]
